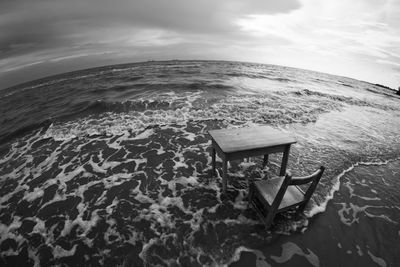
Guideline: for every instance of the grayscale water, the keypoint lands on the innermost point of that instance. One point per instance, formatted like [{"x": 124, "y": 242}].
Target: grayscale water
[{"x": 111, "y": 166}]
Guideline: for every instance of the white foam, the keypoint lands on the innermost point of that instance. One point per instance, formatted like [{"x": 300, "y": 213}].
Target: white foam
[
  {"x": 341, "y": 212},
  {"x": 290, "y": 249},
  {"x": 240, "y": 202},
  {"x": 143, "y": 135},
  {"x": 59, "y": 252},
  {"x": 109, "y": 164},
  {"x": 377, "y": 260},
  {"x": 359, "y": 251},
  {"x": 146, "y": 246},
  {"x": 180, "y": 162},
  {"x": 39, "y": 226},
  {"x": 192, "y": 180},
  {"x": 161, "y": 150},
  {"x": 353, "y": 210},
  {"x": 158, "y": 213},
  {"x": 190, "y": 136},
  {"x": 381, "y": 216},
  {"x": 9, "y": 231},
  {"x": 260, "y": 257},
  {"x": 36, "y": 193},
  {"x": 231, "y": 110},
  {"x": 241, "y": 220},
  {"x": 35, "y": 257},
  {"x": 96, "y": 167},
  {"x": 322, "y": 206}
]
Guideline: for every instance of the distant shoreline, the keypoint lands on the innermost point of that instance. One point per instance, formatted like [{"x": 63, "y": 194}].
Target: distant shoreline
[{"x": 386, "y": 87}]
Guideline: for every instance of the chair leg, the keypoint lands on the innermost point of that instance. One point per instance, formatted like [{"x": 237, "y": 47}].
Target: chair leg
[
  {"x": 269, "y": 219},
  {"x": 301, "y": 208},
  {"x": 250, "y": 196},
  {"x": 265, "y": 160},
  {"x": 224, "y": 175}
]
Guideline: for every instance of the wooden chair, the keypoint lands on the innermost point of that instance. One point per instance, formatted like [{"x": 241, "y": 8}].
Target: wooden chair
[{"x": 269, "y": 197}]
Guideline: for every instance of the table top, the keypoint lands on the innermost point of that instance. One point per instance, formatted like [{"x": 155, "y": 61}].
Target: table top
[{"x": 242, "y": 139}]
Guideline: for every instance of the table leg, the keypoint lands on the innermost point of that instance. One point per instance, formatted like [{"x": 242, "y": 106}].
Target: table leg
[
  {"x": 265, "y": 161},
  {"x": 224, "y": 175},
  {"x": 213, "y": 152},
  {"x": 285, "y": 159}
]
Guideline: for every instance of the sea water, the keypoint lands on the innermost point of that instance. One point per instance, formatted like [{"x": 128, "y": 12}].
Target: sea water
[{"x": 111, "y": 166}]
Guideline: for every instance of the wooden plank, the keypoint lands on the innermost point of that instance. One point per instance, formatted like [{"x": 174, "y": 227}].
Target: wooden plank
[
  {"x": 242, "y": 139},
  {"x": 224, "y": 175},
  {"x": 254, "y": 152},
  {"x": 285, "y": 159}
]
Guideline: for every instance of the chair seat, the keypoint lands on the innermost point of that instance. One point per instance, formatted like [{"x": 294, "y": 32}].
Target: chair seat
[
  {"x": 268, "y": 197},
  {"x": 269, "y": 188}
]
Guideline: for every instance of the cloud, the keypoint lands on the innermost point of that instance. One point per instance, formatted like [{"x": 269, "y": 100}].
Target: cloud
[
  {"x": 46, "y": 23},
  {"x": 351, "y": 38},
  {"x": 362, "y": 33},
  {"x": 43, "y": 30},
  {"x": 391, "y": 63}
]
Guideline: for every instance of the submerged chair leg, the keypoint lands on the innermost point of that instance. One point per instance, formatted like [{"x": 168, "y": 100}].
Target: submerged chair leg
[
  {"x": 269, "y": 219},
  {"x": 265, "y": 160},
  {"x": 213, "y": 153},
  {"x": 301, "y": 208},
  {"x": 251, "y": 193}
]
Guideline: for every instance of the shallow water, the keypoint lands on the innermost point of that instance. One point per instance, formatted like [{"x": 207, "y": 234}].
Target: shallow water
[{"x": 111, "y": 166}]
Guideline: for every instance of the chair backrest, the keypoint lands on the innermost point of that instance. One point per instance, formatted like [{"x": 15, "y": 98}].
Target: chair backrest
[
  {"x": 292, "y": 181},
  {"x": 313, "y": 179}
]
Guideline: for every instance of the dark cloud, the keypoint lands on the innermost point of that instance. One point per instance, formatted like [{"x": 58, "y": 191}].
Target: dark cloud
[
  {"x": 25, "y": 36},
  {"x": 43, "y": 37},
  {"x": 44, "y": 24},
  {"x": 33, "y": 34}
]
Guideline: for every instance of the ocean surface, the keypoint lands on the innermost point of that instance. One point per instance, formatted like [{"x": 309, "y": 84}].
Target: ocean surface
[{"x": 111, "y": 166}]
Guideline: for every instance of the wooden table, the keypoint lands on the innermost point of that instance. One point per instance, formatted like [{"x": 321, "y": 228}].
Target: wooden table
[{"x": 233, "y": 144}]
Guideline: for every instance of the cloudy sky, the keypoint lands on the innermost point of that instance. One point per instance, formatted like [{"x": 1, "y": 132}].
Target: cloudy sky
[{"x": 357, "y": 38}]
